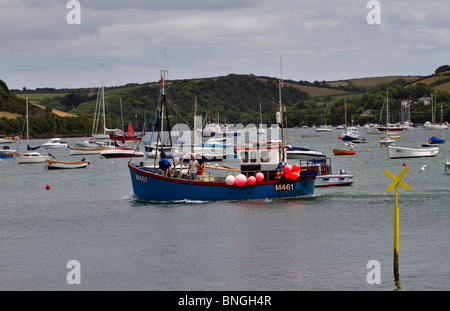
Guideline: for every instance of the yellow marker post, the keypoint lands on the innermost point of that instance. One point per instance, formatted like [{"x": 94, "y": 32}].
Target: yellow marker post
[{"x": 397, "y": 181}]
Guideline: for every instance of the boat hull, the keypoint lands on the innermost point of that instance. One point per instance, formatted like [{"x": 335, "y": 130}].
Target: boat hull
[
  {"x": 303, "y": 153},
  {"x": 157, "y": 188},
  {"x": 390, "y": 129},
  {"x": 349, "y": 138},
  {"x": 122, "y": 153},
  {"x": 55, "y": 165},
  {"x": 8, "y": 155},
  {"x": 32, "y": 159},
  {"x": 126, "y": 138},
  {"x": 387, "y": 142},
  {"x": 343, "y": 152},
  {"x": 84, "y": 151},
  {"x": 333, "y": 180},
  {"x": 402, "y": 152}
]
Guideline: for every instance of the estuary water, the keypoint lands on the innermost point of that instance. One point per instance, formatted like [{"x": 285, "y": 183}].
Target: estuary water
[{"x": 318, "y": 243}]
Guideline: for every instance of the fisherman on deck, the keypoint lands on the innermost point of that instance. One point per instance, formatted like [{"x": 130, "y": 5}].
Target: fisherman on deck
[
  {"x": 193, "y": 168},
  {"x": 164, "y": 164}
]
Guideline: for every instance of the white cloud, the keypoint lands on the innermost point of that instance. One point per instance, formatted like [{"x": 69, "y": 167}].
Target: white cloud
[{"x": 318, "y": 40}]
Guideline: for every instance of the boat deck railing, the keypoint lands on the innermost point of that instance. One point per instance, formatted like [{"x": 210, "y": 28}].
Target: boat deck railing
[{"x": 307, "y": 168}]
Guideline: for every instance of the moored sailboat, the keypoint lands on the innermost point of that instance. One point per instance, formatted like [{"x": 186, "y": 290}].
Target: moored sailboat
[
  {"x": 31, "y": 157},
  {"x": 129, "y": 135},
  {"x": 441, "y": 126}
]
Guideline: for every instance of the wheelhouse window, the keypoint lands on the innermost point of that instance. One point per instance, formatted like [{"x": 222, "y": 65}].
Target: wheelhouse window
[
  {"x": 265, "y": 156},
  {"x": 253, "y": 157},
  {"x": 244, "y": 156}
]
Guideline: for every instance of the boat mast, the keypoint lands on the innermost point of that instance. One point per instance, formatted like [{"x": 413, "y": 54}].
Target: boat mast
[
  {"x": 27, "y": 123},
  {"x": 195, "y": 124},
  {"x": 121, "y": 114},
  {"x": 345, "y": 117},
  {"x": 260, "y": 115},
  {"x": 159, "y": 139},
  {"x": 279, "y": 115},
  {"x": 103, "y": 100},
  {"x": 96, "y": 115},
  {"x": 433, "y": 110},
  {"x": 387, "y": 110}
]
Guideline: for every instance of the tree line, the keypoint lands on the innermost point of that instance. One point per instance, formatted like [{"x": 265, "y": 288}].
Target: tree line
[{"x": 229, "y": 99}]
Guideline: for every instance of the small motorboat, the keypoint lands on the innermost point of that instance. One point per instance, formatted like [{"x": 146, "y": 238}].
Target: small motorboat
[
  {"x": 32, "y": 158},
  {"x": 341, "y": 179},
  {"x": 122, "y": 152},
  {"x": 403, "y": 152},
  {"x": 386, "y": 141},
  {"x": 343, "y": 152},
  {"x": 347, "y": 149},
  {"x": 8, "y": 153},
  {"x": 54, "y": 165},
  {"x": 81, "y": 150},
  {"x": 55, "y": 143},
  {"x": 303, "y": 153}
]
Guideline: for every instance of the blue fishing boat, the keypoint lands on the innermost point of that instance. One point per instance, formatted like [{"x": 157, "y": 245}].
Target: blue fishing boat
[
  {"x": 260, "y": 177},
  {"x": 263, "y": 173}
]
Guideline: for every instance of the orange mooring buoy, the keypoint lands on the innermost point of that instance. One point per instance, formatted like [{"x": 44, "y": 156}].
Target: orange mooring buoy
[{"x": 47, "y": 187}]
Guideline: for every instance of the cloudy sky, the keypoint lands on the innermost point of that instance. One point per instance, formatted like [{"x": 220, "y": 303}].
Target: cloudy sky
[{"x": 317, "y": 40}]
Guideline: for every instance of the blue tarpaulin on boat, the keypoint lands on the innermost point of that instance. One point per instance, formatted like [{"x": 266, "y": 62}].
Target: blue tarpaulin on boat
[{"x": 436, "y": 140}]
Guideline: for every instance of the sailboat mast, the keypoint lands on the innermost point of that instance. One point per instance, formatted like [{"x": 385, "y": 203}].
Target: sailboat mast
[
  {"x": 96, "y": 114},
  {"x": 280, "y": 84},
  {"x": 121, "y": 114},
  {"x": 27, "y": 121},
  {"x": 103, "y": 100},
  {"x": 387, "y": 109},
  {"x": 195, "y": 121},
  {"x": 434, "y": 115},
  {"x": 345, "y": 117}
]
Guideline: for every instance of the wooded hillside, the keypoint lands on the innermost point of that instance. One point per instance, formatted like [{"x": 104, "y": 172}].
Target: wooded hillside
[{"x": 232, "y": 99}]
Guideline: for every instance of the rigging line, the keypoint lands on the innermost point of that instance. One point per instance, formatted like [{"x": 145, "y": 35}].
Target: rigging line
[
  {"x": 168, "y": 101},
  {"x": 20, "y": 139},
  {"x": 154, "y": 125},
  {"x": 170, "y": 136},
  {"x": 176, "y": 108}
]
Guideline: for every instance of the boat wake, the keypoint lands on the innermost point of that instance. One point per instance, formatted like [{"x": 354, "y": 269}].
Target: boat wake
[{"x": 136, "y": 201}]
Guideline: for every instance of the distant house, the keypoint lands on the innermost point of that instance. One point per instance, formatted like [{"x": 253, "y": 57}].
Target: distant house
[
  {"x": 368, "y": 113},
  {"x": 426, "y": 100}
]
